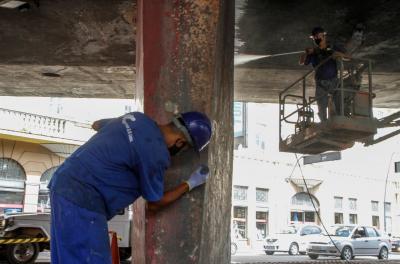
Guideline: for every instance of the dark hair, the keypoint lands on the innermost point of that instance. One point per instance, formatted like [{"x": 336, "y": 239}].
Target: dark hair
[{"x": 317, "y": 30}]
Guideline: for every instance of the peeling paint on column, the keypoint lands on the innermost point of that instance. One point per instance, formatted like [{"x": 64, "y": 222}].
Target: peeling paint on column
[{"x": 188, "y": 65}]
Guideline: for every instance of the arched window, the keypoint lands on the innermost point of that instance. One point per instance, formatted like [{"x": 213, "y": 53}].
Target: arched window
[
  {"x": 12, "y": 184},
  {"x": 303, "y": 199},
  {"x": 10, "y": 170},
  {"x": 46, "y": 177},
  {"x": 44, "y": 201},
  {"x": 302, "y": 208}
]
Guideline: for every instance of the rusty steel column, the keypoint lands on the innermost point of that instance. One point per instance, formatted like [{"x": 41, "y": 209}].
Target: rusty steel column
[{"x": 185, "y": 62}]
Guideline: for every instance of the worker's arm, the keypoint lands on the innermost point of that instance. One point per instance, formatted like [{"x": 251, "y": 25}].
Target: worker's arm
[
  {"x": 169, "y": 197},
  {"x": 97, "y": 125},
  {"x": 304, "y": 58},
  {"x": 197, "y": 178}
]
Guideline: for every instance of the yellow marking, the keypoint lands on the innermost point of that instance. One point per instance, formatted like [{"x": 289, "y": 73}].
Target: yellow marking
[{"x": 24, "y": 240}]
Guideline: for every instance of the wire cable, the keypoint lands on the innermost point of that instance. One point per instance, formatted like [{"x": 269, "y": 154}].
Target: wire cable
[{"x": 313, "y": 204}]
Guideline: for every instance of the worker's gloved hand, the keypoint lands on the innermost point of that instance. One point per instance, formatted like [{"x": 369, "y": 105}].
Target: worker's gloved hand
[{"x": 198, "y": 177}]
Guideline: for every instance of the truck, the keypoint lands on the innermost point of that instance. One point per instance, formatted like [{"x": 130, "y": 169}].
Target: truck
[{"x": 24, "y": 235}]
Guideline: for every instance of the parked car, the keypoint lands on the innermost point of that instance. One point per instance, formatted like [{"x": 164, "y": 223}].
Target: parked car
[
  {"x": 293, "y": 239},
  {"x": 348, "y": 241},
  {"x": 395, "y": 244}
]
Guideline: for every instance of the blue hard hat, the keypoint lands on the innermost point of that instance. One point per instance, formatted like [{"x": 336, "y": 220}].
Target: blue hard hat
[{"x": 196, "y": 127}]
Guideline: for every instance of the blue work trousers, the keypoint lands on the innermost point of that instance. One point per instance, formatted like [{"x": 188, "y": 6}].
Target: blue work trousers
[{"x": 78, "y": 235}]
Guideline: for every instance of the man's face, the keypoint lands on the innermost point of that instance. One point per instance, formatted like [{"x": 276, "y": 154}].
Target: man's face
[
  {"x": 319, "y": 38},
  {"x": 179, "y": 146}
]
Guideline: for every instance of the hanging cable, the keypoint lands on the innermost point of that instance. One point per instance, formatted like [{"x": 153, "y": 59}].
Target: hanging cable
[{"x": 315, "y": 208}]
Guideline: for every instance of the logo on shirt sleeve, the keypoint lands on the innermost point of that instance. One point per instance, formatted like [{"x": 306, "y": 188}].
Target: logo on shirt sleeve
[{"x": 125, "y": 120}]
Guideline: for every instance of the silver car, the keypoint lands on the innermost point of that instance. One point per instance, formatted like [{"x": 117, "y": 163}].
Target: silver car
[{"x": 348, "y": 241}]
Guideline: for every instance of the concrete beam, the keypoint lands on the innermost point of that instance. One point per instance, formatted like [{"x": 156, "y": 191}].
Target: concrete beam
[
  {"x": 185, "y": 60},
  {"x": 72, "y": 81}
]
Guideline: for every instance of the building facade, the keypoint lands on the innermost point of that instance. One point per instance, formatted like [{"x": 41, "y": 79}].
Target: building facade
[
  {"x": 25, "y": 170},
  {"x": 269, "y": 192}
]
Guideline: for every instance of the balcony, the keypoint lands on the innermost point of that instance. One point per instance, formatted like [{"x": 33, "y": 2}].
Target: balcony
[{"x": 56, "y": 134}]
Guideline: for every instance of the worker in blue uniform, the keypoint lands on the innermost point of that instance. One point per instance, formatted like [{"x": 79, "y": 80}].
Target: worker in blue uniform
[
  {"x": 323, "y": 58},
  {"x": 127, "y": 158}
]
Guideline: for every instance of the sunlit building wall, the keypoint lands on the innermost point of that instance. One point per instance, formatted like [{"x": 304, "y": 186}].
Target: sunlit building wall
[{"x": 349, "y": 191}]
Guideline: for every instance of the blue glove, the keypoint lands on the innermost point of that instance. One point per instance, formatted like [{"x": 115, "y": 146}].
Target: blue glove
[{"x": 198, "y": 177}]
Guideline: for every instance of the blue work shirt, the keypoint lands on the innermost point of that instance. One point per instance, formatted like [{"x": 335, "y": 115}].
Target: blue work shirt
[
  {"x": 125, "y": 159},
  {"x": 326, "y": 71}
]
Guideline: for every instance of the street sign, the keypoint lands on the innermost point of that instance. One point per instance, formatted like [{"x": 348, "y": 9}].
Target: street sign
[{"x": 329, "y": 156}]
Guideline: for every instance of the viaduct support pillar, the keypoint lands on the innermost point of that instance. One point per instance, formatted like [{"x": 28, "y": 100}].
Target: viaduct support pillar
[{"x": 185, "y": 62}]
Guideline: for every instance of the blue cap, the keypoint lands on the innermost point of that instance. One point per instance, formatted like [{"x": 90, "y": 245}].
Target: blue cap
[{"x": 196, "y": 127}]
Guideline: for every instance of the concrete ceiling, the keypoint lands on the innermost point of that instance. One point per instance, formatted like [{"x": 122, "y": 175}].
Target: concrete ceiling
[
  {"x": 87, "y": 48},
  {"x": 89, "y": 44}
]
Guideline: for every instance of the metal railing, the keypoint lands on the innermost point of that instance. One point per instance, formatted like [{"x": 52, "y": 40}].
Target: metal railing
[
  {"x": 56, "y": 129},
  {"x": 304, "y": 104}
]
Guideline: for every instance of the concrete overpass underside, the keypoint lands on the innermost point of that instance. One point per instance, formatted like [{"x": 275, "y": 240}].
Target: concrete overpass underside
[{"x": 87, "y": 49}]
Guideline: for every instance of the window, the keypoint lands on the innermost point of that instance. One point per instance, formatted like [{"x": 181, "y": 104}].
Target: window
[
  {"x": 338, "y": 202},
  {"x": 11, "y": 198},
  {"x": 10, "y": 170},
  {"x": 353, "y": 219},
  {"x": 261, "y": 195},
  {"x": 12, "y": 184},
  {"x": 296, "y": 216},
  {"x": 240, "y": 222},
  {"x": 261, "y": 224},
  {"x": 360, "y": 231},
  {"x": 374, "y": 206},
  {"x": 240, "y": 193},
  {"x": 303, "y": 199},
  {"x": 309, "y": 217},
  {"x": 338, "y": 218},
  {"x": 397, "y": 167},
  {"x": 302, "y": 216},
  {"x": 353, "y": 204},
  {"x": 375, "y": 221},
  {"x": 309, "y": 230},
  {"x": 44, "y": 201},
  {"x": 371, "y": 232},
  {"x": 388, "y": 208}
]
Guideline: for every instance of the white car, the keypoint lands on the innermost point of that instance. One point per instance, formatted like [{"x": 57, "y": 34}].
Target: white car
[
  {"x": 293, "y": 239},
  {"x": 347, "y": 241}
]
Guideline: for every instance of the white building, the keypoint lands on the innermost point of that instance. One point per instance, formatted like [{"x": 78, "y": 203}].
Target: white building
[
  {"x": 269, "y": 192},
  {"x": 36, "y": 134}
]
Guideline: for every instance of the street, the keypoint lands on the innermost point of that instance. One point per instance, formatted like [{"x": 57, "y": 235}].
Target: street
[{"x": 260, "y": 257}]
